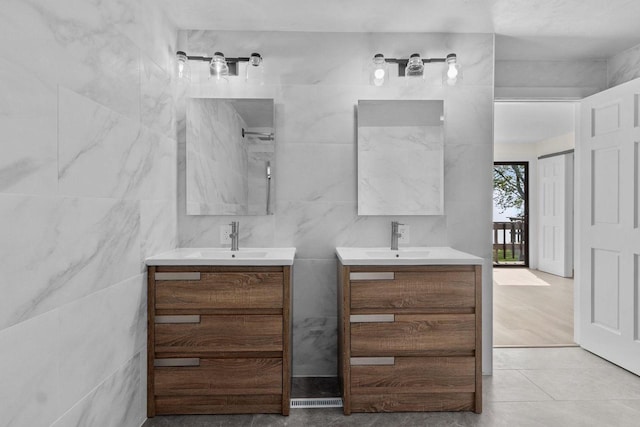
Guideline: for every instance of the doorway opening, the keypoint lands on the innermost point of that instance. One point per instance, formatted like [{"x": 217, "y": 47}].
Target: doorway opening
[
  {"x": 532, "y": 303},
  {"x": 510, "y": 214}
]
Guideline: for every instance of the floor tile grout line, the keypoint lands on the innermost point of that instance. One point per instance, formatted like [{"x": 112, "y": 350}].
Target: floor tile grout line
[{"x": 536, "y": 385}]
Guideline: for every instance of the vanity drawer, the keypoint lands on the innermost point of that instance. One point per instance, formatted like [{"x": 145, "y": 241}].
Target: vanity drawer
[
  {"x": 224, "y": 404},
  {"x": 408, "y": 375},
  {"x": 412, "y": 334},
  {"x": 220, "y": 333},
  {"x": 226, "y": 291},
  {"x": 435, "y": 289},
  {"x": 241, "y": 376}
]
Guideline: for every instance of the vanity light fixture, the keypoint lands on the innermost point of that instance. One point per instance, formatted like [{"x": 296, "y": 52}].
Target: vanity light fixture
[
  {"x": 182, "y": 64},
  {"x": 220, "y": 67},
  {"x": 413, "y": 67}
]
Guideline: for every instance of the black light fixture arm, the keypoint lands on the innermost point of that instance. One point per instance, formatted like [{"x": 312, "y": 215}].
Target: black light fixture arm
[
  {"x": 403, "y": 63},
  {"x": 209, "y": 58}
]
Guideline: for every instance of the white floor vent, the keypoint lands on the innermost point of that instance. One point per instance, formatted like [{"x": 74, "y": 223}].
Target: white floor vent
[{"x": 316, "y": 402}]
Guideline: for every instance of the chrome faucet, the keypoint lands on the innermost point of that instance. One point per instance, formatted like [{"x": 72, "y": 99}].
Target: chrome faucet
[
  {"x": 395, "y": 235},
  {"x": 235, "y": 230}
]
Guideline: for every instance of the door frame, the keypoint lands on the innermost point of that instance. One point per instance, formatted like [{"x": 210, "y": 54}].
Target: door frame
[
  {"x": 575, "y": 101},
  {"x": 526, "y": 212}
]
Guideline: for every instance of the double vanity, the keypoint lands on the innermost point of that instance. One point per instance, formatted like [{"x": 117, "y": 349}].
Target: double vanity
[{"x": 219, "y": 330}]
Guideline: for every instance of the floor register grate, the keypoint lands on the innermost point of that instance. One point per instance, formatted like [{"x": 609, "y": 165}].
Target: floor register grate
[{"x": 316, "y": 402}]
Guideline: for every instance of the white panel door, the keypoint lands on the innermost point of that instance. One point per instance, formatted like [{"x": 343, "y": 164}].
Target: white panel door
[
  {"x": 609, "y": 235},
  {"x": 555, "y": 215}
]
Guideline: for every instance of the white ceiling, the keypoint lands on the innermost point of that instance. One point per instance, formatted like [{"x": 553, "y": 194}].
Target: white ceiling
[
  {"x": 526, "y": 122},
  {"x": 525, "y": 29}
]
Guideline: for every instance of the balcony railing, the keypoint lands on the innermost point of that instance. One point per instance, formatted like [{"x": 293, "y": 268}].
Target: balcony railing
[{"x": 509, "y": 240}]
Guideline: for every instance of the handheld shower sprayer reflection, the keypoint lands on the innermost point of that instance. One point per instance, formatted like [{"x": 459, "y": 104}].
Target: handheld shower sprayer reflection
[{"x": 268, "y": 187}]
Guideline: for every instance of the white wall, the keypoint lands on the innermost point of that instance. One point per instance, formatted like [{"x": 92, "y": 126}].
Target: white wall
[
  {"x": 316, "y": 80},
  {"x": 87, "y": 190}
]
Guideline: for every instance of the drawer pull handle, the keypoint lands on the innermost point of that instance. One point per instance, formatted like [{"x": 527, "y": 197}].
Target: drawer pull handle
[
  {"x": 176, "y": 362},
  {"x": 386, "y": 275},
  {"x": 369, "y": 318},
  {"x": 178, "y": 276},
  {"x": 362, "y": 361},
  {"x": 195, "y": 318}
]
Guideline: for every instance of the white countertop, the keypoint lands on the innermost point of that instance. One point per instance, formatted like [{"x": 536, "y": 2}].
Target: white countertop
[
  {"x": 225, "y": 256},
  {"x": 406, "y": 256}
]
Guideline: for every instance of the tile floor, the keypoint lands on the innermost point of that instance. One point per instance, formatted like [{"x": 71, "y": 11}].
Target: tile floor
[{"x": 550, "y": 387}]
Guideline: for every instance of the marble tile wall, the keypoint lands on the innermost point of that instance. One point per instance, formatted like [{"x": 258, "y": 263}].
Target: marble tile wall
[
  {"x": 87, "y": 191},
  {"x": 550, "y": 79},
  {"x": 623, "y": 67},
  {"x": 316, "y": 80}
]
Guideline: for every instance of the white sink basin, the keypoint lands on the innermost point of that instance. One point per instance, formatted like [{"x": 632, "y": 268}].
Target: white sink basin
[
  {"x": 213, "y": 254},
  {"x": 224, "y": 256},
  {"x": 405, "y": 256}
]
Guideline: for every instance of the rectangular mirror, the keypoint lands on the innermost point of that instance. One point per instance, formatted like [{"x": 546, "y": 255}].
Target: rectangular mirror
[
  {"x": 400, "y": 157},
  {"x": 230, "y": 156}
]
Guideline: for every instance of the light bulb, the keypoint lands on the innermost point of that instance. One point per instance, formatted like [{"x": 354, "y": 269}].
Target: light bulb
[
  {"x": 378, "y": 71},
  {"x": 452, "y": 73}
]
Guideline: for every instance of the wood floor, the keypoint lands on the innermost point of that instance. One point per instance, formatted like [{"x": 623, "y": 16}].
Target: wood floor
[{"x": 527, "y": 313}]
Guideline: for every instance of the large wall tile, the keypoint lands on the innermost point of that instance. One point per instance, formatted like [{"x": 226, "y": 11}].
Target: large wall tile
[
  {"x": 158, "y": 230},
  {"x": 469, "y": 116},
  {"x": 150, "y": 28},
  {"x": 29, "y": 394},
  {"x": 72, "y": 95},
  {"x": 623, "y": 67},
  {"x": 313, "y": 228},
  {"x": 559, "y": 74},
  {"x": 157, "y": 109},
  {"x": 465, "y": 164},
  {"x": 117, "y": 402},
  {"x": 74, "y": 45},
  {"x": 315, "y": 346},
  {"x": 29, "y": 153},
  {"x": 56, "y": 250},
  {"x": 105, "y": 154},
  {"x": 106, "y": 328},
  {"x": 316, "y": 114},
  {"x": 315, "y": 288},
  {"x": 316, "y": 172},
  {"x": 204, "y": 231}
]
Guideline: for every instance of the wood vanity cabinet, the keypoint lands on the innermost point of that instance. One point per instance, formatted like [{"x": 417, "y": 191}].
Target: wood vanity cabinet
[
  {"x": 219, "y": 340},
  {"x": 410, "y": 338}
]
